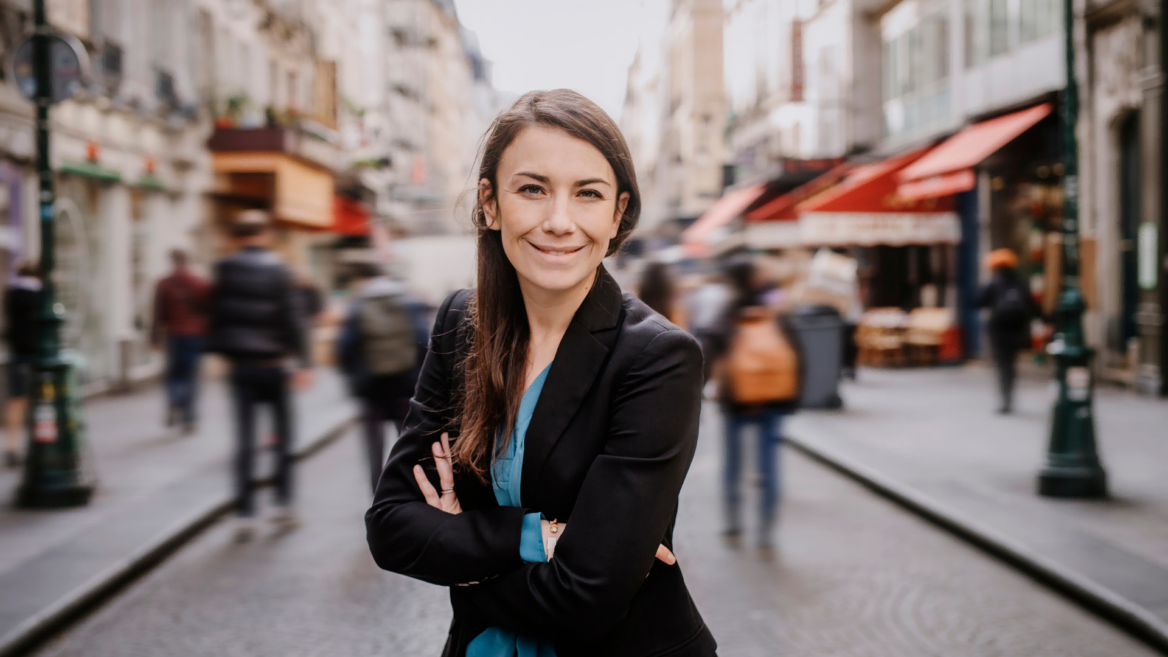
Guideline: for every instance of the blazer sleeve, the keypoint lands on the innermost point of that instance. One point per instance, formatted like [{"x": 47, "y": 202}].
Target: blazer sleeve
[
  {"x": 410, "y": 537},
  {"x": 625, "y": 506}
]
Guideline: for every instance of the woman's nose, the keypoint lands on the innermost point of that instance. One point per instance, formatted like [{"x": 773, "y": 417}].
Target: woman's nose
[{"x": 559, "y": 222}]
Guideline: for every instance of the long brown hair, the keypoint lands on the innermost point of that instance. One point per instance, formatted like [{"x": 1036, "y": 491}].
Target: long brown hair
[{"x": 495, "y": 365}]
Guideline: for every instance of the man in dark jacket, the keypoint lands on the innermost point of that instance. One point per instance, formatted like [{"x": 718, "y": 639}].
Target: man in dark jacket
[
  {"x": 256, "y": 324},
  {"x": 180, "y": 311},
  {"x": 1011, "y": 308},
  {"x": 21, "y": 306}
]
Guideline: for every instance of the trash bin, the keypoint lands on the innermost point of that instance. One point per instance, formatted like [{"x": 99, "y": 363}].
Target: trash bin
[{"x": 820, "y": 333}]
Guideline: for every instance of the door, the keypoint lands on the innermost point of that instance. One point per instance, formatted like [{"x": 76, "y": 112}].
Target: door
[{"x": 1129, "y": 222}]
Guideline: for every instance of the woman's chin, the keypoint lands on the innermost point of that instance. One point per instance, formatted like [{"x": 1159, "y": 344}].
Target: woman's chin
[{"x": 556, "y": 282}]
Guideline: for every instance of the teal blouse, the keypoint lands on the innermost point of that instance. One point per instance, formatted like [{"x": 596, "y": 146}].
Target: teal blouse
[{"x": 505, "y": 479}]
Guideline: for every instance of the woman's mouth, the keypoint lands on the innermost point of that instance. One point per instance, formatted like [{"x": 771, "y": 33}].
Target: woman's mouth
[{"x": 558, "y": 250}]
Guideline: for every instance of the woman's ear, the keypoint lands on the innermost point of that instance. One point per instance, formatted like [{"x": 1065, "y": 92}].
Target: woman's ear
[
  {"x": 489, "y": 204},
  {"x": 622, "y": 202}
]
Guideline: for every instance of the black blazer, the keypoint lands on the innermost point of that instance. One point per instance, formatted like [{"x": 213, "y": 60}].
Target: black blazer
[{"x": 607, "y": 450}]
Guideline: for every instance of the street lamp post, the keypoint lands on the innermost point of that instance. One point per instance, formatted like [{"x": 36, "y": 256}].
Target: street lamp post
[
  {"x": 1072, "y": 462},
  {"x": 53, "y": 475}
]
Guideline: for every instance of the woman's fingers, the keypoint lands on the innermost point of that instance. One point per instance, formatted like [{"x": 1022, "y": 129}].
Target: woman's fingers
[
  {"x": 428, "y": 491},
  {"x": 665, "y": 555},
  {"x": 442, "y": 460}
]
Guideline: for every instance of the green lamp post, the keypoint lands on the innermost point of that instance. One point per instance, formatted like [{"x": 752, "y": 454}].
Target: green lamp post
[
  {"x": 54, "y": 475},
  {"x": 1072, "y": 462}
]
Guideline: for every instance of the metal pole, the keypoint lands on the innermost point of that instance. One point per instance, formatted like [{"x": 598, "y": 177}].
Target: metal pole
[
  {"x": 53, "y": 473},
  {"x": 1072, "y": 462}
]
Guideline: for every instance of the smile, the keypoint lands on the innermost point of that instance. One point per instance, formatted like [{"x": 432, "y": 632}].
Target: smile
[{"x": 561, "y": 251}]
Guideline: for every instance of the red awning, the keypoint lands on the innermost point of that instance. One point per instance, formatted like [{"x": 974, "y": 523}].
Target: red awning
[
  {"x": 872, "y": 188},
  {"x": 865, "y": 209},
  {"x": 935, "y": 186},
  {"x": 783, "y": 207},
  {"x": 733, "y": 203},
  {"x": 968, "y": 148},
  {"x": 350, "y": 217}
]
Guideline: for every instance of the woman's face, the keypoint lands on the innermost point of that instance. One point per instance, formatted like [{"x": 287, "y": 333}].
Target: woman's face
[{"x": 557, "y": 207}]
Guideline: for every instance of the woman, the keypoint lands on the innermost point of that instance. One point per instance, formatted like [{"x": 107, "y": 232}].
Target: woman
[{"x": 567, "y": 415}]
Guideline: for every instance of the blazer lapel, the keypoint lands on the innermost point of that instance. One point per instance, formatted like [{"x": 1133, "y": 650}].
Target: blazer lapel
[{"x": 581, "y": 355}]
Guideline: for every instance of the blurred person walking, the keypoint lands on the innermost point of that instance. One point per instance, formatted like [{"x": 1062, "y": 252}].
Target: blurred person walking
[
  {"x": 1011, "y": 307},
  {"x": 256, "y": 323},
  {"x": 657, "y": 290},
  {"x": 759, "y": 370},
  {"x": 706, "y": 308},
  {"x": 21, "y": 306},
  {"x": 180, "y": 317},
  {"x": 380, "y": 348}
]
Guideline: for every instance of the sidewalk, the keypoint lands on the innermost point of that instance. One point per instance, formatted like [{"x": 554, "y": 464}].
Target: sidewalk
[
  {"x": 156, "y": 488},
  {"x": 931, "y": 440}
]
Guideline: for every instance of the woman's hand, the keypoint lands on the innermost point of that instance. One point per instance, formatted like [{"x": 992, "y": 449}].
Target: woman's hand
[
  {"x": 445, "y": 500},
  {"x": 663, "y": 553}
]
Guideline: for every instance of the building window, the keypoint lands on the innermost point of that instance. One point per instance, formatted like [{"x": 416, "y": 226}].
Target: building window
[
  {"x": 999, "y": 27},
  {"x": 916, "y": 73}
]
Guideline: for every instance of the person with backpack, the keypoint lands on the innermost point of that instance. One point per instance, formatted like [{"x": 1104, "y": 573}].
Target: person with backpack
[
  {"x": 1011, "y": 306},
  {"x": 380, "y": 350},
  {"x": 759, "y": 366}
]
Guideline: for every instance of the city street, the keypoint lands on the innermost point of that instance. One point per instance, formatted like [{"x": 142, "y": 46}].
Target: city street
[{"x": 854, "y": 575}]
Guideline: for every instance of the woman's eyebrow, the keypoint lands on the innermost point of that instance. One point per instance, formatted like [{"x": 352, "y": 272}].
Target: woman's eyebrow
[
  {"x": 592, "y": 181},
  {"x": 536, "y": 176}
]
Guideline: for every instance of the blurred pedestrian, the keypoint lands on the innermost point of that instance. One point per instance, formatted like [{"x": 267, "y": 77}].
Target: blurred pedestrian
[
  {"x": 1012, "y": 307},
  {"x": 657, "y": 290},
  {"x": 311, "y": 300},
  {"x": 380, "y": 348},
  {"x": 180, "y": 318},
  {"x": 759, "y": 369},
  {"x": 21, "y": 308},
  {"x": 569, "y": 399},
  {"x": 256, "y": 323},
  {"x": 706, "y": 310}
]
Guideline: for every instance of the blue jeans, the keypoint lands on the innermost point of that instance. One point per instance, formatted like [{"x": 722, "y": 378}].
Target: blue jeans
[
  {"x": 769, "y": 423},
  {"x": 182, "y": 375}
]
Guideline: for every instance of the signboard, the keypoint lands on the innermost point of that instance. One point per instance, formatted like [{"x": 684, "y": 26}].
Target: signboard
[
  {"x": 885, "y": 228},
  {"x": 69, "y": 63}
]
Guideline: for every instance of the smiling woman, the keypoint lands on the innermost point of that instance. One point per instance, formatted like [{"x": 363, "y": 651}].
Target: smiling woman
[{"x": 569, "y": 403}]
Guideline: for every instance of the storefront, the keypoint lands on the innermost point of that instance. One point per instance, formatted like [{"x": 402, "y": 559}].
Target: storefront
[
  {"x": 904, "y": 247},
  {"x": 1004, "y": 178}
]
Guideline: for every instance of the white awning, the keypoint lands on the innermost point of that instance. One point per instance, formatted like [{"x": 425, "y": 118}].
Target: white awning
[
  {"x": 884, "y": 228},
  {"x": 772, "y": 234}
]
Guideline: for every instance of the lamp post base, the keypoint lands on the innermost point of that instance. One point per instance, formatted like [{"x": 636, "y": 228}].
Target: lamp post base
[
  {"x": 53, "y": 498},
  {"x": 1081, "y": 482}
]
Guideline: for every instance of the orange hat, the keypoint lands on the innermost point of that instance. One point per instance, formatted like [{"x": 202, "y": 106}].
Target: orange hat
[{"x": 1002, "y": 259}]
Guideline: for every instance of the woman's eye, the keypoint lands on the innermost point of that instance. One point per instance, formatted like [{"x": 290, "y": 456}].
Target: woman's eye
[
  {"x": 530, "y": 189},
  {"x": 591, "y": 193}
]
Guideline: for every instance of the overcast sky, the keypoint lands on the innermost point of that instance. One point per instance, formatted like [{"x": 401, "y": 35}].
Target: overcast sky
[{"x": 586, "y": 45}]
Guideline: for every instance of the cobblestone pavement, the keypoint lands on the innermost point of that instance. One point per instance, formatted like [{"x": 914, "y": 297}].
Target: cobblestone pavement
[{"x": 854, "y": 576}]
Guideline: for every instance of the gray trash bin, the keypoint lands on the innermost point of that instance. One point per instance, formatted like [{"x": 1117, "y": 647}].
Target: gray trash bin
[{"x": 819, "y": 330}]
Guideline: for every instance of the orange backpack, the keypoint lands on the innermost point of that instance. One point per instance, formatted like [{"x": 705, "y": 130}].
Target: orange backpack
[{"x": 761, "y": 366}]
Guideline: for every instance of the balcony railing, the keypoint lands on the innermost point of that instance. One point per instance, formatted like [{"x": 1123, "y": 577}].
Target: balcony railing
[{"x": 292, "y": 141}]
